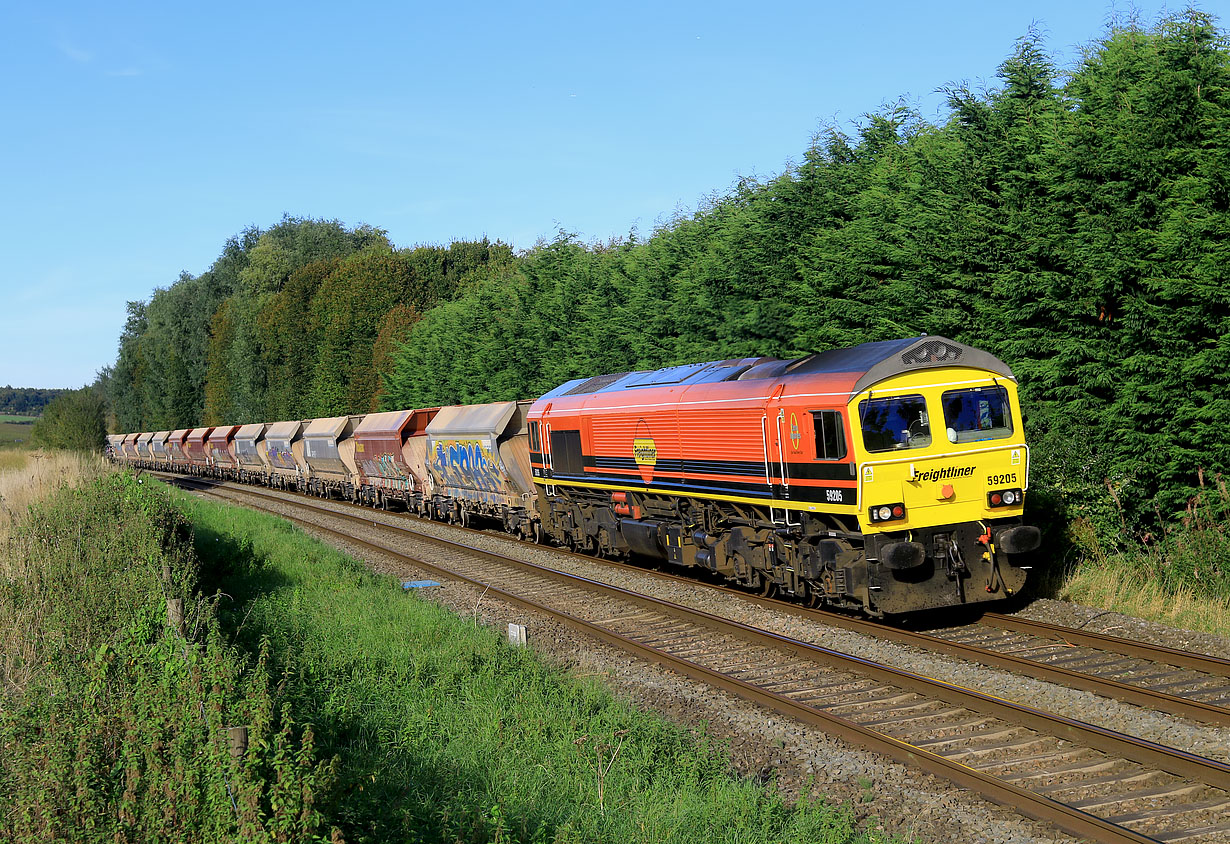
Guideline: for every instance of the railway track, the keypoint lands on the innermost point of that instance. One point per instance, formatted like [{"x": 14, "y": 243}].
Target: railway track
[
  {"x": 1087, "y": 780},
  {"x": 1191, "y": 685}
]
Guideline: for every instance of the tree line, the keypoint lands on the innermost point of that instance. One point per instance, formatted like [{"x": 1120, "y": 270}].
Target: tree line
[
  {"x": 293, "y": 322},
  {"x": 25, "y": 401},
  {"x": 1073, "y": 221}
]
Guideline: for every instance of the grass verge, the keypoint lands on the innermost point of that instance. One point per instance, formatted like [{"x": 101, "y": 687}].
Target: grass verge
[
  {"x": 115, "y": 725},
  {"x": 1179, "y": 576},
  {"x": 27, "y": 477},
  {"x": 445, "y": 733}
]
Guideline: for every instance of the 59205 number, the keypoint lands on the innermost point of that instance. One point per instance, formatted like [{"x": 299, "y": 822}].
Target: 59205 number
[{"x": 998, "y": 480}]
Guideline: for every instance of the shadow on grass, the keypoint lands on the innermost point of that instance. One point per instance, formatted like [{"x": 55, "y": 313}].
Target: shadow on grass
[{"x": 385, "y": 790}]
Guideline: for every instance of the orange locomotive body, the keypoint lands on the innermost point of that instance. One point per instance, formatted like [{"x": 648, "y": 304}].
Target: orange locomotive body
[{"x": 792, "y": 474}]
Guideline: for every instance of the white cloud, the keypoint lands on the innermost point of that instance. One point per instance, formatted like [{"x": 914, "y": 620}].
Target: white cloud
[{"x": 75, "y": 53}]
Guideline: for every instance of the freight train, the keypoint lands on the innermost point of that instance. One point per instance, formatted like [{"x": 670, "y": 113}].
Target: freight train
[{"x": 886, "y": 478}]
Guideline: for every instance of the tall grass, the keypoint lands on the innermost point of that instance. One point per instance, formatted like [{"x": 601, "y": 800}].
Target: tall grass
[
  {"x": 30, "y": 476},
  {"x": 114, "y": 726},
  {"x": 1180, "y": 576},
  {"x": 446, "y": 733}
]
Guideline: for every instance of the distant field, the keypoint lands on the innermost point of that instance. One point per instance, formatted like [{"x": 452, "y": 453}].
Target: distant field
[
  {"x": 14, "y": 433},
  {"x": 19, "y": 420}
]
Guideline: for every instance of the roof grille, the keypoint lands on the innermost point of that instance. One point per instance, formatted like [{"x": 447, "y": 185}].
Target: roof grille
[
  {"x": 595, "y": 384},
  {"x": 932, "y": 351}
]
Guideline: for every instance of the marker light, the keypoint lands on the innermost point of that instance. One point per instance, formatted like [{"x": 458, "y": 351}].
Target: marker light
[
  {"x": 887, "y": 512},
  {"x": 1005, "y": 498}
]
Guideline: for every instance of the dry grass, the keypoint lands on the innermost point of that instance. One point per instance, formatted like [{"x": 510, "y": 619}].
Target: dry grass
[
  {"x": 1178, "y": 576},
  {"x": 30, "y": 476},
  {"x": 1121, "y": 589},
  {"x": 13, "y": 458}
]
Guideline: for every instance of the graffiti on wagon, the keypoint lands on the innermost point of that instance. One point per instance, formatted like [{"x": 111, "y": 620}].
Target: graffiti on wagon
[{"x": 468, "y": 464}]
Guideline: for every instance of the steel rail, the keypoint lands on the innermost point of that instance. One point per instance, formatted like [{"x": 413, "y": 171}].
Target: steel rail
[
  {"x": 1073, "y": 820},
  {"x": 1158, "y": 653},
  {"x": 1197, "y": 710}
]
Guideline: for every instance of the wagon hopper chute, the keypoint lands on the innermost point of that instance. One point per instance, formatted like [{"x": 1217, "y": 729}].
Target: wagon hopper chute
[
  {"x": 391, "y": 453},
  {"x": 478, "y": 458}
]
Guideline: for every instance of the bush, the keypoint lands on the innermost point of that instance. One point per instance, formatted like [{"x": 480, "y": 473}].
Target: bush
[{"x": 74, "y": 421}]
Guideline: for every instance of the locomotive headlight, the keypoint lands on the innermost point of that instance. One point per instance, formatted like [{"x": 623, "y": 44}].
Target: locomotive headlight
[
  {"x": 886, "y": 512},
  {"x": 1005, "y": 498}
]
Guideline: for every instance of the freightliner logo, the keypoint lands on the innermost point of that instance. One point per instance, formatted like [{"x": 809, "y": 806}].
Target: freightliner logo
[{"x": 945, "y": 474}]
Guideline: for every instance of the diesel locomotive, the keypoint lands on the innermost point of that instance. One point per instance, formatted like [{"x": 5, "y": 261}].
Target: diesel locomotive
[{"x": 888, "y": 477}]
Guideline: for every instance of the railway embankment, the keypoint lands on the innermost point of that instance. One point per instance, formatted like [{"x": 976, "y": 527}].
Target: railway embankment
[{"x": 183, "y": 670}]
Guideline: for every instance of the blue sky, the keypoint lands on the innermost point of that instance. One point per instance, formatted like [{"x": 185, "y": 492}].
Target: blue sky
[{"x": 138, "y": 137}]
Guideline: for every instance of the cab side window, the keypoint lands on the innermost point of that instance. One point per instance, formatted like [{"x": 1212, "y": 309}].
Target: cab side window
[
  {"x": 534, "y": 444},
  {"x": 830, "y": 435}
]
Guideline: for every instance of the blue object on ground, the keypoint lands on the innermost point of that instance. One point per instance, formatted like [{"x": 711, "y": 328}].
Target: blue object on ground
[{"x": 418, "y": 584}]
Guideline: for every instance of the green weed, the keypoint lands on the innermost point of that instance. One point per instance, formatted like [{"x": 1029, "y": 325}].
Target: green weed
[
  {"x": 445, "y": 733},
  {"x": 113, "y": 725}
]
